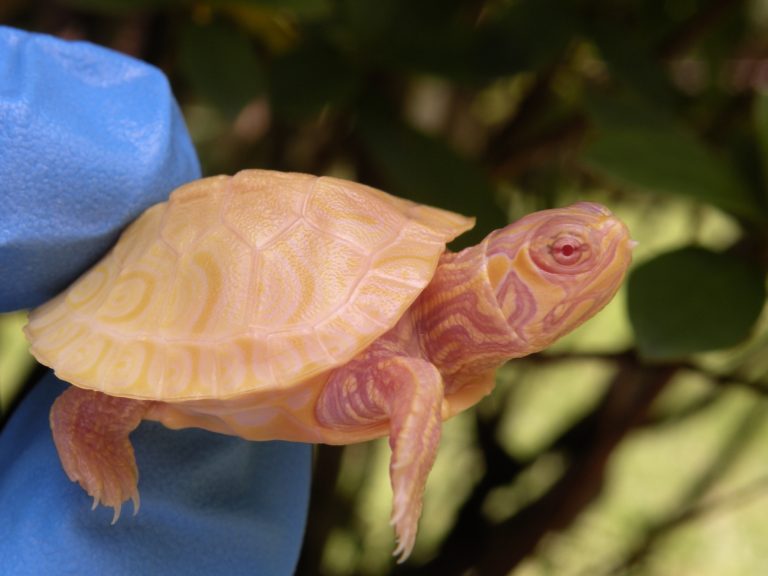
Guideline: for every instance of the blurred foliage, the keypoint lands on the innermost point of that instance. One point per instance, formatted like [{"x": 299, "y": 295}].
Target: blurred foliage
[
  {"x": 15, "y": 361},
  {"x": 636, "y": 444},
  {"x": 685, "y": 277}
]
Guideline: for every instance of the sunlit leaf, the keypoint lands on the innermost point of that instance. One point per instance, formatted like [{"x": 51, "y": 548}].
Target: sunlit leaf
[
  {"x": 15, "y": 359},
  {"x": 643, "y": 147},
  {"x": 693, "y": 300},
  {"x": 428, "y": 170},
  {"x": 219, "y": 62}
]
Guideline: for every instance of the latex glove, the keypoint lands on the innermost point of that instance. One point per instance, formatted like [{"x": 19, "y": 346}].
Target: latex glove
[{"x": 88, "y": 139}]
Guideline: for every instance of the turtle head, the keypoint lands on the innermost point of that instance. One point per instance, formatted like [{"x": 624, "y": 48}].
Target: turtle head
[{"x": 554, "y": 269}]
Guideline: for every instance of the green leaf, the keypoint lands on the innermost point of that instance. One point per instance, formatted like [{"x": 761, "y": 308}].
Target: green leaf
[
  {"x": 446, "y": 38},
  {"x": 631, "y": 54},
  {"x": 643, "y": 147},
  {"x": 427, "y": 170},
  {"x": 527, "y": 34},
  {"x": 308, "y": 79},
  {"x": 403, "y": 35},
  {"x": 220, "y": 64},
  {"x": 693, "y": 300}
]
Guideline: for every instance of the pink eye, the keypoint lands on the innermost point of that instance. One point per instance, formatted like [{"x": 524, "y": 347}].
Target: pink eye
[
  {"x": 562, "y": 247},
  {"x": 567, "y": 250}
]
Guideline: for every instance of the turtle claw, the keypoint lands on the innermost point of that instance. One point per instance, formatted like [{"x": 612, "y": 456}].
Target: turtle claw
[
  {"x": 408, "y": 483},
  {"x": 118, "y": 508},
  {"x": 110, "y": 481},
  {"x": 405, "y": 530},
  {"x": 134, "y": 498},
  {"x": 116, "y": 515}
]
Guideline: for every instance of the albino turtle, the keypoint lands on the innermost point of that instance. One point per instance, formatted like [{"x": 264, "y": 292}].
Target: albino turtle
[{"x": 286, "y": 306}]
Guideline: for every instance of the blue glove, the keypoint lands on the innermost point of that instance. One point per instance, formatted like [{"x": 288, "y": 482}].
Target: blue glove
[{"x": 88, "y": 139}]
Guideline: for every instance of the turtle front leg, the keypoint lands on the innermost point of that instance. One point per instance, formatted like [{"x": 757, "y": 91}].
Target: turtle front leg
[
  {"x": 408, "y": 392},
  {"x": 90, "y": 430}
]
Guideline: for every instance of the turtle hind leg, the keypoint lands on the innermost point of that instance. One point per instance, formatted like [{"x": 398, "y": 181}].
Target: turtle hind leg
[
  {"x": 409, "y": 393},
  {"x": 90, "y": 431}
]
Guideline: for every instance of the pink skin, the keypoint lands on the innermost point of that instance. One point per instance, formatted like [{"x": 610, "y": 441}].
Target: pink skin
[{"x": 518, "y": 291}]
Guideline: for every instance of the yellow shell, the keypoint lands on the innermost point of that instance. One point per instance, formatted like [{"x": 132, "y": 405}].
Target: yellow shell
[{"x": 237, "y": 284}]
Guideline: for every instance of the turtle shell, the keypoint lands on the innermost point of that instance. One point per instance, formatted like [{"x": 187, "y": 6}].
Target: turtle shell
[{"x": 236, "y": 284}]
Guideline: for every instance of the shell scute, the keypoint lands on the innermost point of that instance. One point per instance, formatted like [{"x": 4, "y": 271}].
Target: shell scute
[
  {"x": 190, "y": 213},
  {"x": 239, "y": 362},
  {"x": 85, "y": 354},
  {"x": 138, "y": 236},
  {"x": 90, "y": 290},
  {"x": 355, "y": 215},
  {"x": 340, "y": 332},
  {"x": 125, "y": 368},
  {"x": 280, "y": 200},
  {"x": 378, "y": 297},
  {"x": 129, "y": 298},
  {"x": 305, "y": 275},
  {"x": 180, "y": 374},
  {"x": 56, "y": 336},
  {"x": 207, "y": 298},
  {"x": 133, "y": 301},
  {"x": 256, "y": 281},
  {"x": 297, "y": 356}
]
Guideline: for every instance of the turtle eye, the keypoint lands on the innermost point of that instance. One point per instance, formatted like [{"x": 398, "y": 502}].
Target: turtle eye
[{"x": 568, "y": 249}]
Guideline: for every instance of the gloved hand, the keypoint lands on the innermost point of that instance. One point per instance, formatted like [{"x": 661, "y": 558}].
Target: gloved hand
[{"x": 88, "y": 139}]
